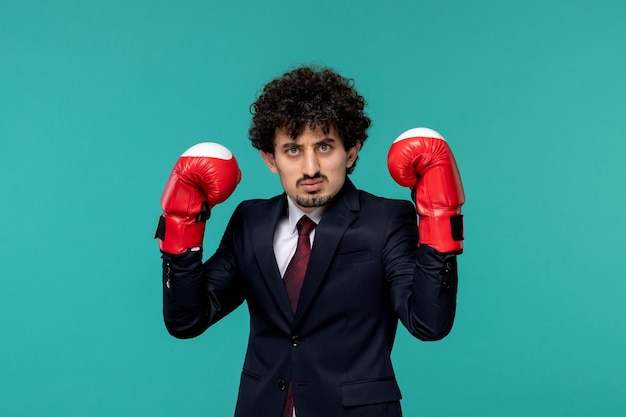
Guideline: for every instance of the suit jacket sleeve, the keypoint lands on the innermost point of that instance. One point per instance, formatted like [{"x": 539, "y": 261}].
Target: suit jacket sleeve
[
  {"x": 197, "y": 295},
  {"x": 422, "y": 281}
]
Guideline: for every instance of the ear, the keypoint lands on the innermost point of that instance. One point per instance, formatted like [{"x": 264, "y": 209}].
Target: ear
[
  {"x": 352, "y": 154},
  {"x": 268, "y": 158}
]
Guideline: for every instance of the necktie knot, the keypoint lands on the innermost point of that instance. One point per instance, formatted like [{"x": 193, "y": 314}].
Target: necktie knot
[{"x": 305, "y": 226}]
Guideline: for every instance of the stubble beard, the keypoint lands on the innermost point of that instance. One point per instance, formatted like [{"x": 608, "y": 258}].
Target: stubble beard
[{"x": 313, "y": 201}]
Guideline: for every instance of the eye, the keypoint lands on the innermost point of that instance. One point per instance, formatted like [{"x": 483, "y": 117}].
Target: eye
[
  {"x": 292, "y": 151},
  {"x": 324, "y": 147}
]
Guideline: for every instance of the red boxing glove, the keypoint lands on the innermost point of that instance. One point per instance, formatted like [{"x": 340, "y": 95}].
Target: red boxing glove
[
  {"x": 205, "y": 175},
  {"x": 421, "y": 159}
]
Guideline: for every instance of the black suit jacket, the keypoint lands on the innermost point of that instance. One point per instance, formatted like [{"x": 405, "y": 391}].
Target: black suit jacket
[{"x": 365, "y": 272}]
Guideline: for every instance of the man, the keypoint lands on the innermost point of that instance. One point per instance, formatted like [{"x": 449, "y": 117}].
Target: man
[{"x": 324, "y": 302}]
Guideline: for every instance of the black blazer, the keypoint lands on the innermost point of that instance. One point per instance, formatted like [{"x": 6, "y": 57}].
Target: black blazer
[{"x": 365, "y": 272}]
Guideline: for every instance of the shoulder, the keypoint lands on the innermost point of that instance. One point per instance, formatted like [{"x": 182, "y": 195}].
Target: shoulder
[
  {"x": 260, "y": 203},
  {"x": 370, "y": 201},
  {"x": 260, "y": 210}
]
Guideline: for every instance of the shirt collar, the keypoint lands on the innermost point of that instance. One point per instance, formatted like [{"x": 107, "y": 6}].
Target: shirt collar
[{"x": 296, "y": 213}]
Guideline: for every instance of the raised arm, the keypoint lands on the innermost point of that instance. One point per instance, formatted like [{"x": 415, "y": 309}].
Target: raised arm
[
  {"x": 421, "y": 160},
  {"x": 205, "y": 175}
]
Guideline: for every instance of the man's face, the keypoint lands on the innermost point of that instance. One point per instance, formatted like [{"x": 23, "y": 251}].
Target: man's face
[{"x": 312, "y": 168}]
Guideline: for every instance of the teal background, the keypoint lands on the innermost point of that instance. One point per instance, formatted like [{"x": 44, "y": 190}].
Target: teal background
[{"x": 97, "y": 100}]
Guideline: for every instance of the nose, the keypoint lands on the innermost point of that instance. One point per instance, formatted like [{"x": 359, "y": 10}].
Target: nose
[{"x": 310, "y": 164}]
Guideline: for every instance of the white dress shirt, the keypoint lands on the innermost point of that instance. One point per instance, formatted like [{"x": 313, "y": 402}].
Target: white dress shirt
[{"x": 286, "y": 234}]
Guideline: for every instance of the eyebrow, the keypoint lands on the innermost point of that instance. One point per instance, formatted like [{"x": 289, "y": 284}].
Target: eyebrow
[
  {"x": 327, "y": 139},
  {"x": 294, "y": 144},
  {"x": 289, "y": 145}
]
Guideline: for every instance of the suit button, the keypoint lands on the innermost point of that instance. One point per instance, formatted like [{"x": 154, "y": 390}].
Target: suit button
[
  {"x": 295, "y": 341},
  {"x": 282, "y": 384},
  {"x": 447, "y": 272}
]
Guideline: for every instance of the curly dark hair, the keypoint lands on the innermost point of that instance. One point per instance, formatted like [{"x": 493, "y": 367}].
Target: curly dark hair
[{"x": 309, "y": 96}]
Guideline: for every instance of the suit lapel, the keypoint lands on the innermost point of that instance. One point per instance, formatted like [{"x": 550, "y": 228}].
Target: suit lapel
[
  {"x": 263, "y": 242},
  {"x": 342, "y": 212}
]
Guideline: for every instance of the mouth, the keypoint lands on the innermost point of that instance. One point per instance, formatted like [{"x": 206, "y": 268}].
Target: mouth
[{"x": 311, "y": 185}]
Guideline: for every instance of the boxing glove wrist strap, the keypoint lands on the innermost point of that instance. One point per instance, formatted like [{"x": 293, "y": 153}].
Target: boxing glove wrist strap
[
  {"x": 177, "y": 235},
  {"x": 444, "y": 233}
]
